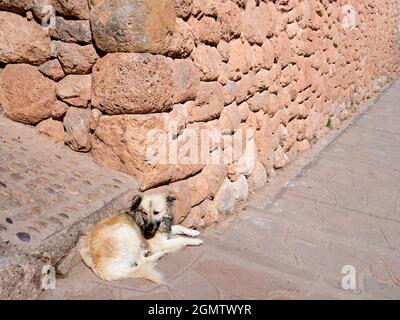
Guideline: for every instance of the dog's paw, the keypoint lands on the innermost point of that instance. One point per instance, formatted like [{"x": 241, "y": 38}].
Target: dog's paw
[
  {"x": 193, "y": 233},
  {"x": 197, "y": 242}
]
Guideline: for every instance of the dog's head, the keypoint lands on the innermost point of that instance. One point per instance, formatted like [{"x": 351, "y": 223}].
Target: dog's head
[{"x": 150, "y": 210}]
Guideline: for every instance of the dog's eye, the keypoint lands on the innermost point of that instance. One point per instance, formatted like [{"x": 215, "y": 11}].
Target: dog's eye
[{"x": 156, "y": 213}]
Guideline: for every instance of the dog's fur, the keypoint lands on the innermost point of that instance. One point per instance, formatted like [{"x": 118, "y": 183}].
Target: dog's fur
[{"x": 128, "y": 244}]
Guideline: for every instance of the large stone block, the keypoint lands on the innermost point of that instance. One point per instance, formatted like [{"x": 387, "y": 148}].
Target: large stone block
[
  {"x": 132, "y": 25},
  {"x": 22, "y": 41},
  {"x": 134, "y": 144},
  {"x": 20, "y": 6},
  {"x": 133, "y": 83},
  {"x": 25, "y": 94}
]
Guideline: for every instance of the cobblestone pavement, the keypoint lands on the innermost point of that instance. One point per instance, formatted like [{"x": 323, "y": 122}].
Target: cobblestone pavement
[
  {"x": 340, "y": 206},
  {"x": 48, "y": 193}
]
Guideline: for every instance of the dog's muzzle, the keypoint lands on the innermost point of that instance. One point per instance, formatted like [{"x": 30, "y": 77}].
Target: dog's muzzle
[{"x": 150, "y": 230}]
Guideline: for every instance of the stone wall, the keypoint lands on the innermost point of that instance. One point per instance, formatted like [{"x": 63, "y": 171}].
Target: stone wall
[{"x": 118, "y": 78}]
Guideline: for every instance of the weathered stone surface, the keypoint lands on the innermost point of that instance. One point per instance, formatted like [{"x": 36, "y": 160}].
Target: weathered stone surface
[
  {"x": 76, "y": 59},
  {"x": 303, "y": 145},
  {"x": 72, "y": 8},
  {"x": 257, "y": 101},
  {"x": 194, "y": 218},
  {"x": 205, "y": 30},
  {"x": 182, "y": 41},
  {"x": 186, "y": 79},
  {"x": 95, "y": 115},
  {"x": 258, "y": 22},
  {"x": 22, "y": 41},
  {"x": 225, "y": 198},
  {"x": 71, "y": 30},
  {"x": 238, "y": 62},
  {"x": 280, "y": 158},
  {"x": 246, "y": 162},
  {"x": 230, "y": 118},
  {"x": 20, "y": 6},
  {"x": 52, "y": 69},
  {"x": 183, "y": 8},
  {"x": 25, "y": 94},
  {"x": 208, "y": 60},
  {"x": 75, "y": 90},
  {"x": 224, "y": 50},
  {"x": 244, "y": 111},
  {"x": 205, "y": 184},
  {"x": 77, "y": 130},
  {"x": 58, "y": 110},
  {"x": 179, "y": 118},
  {"x": 229, "y": 19},
  {"x": 269, "y": 54},
  {"x": 206, "y": 7},
  {"x": 133, "y": 83},
  {"x": 246, "y": 87},
  {"x": 132, "y": 25},
  {"x": 134, "y": 144},
  {"x": 240, "y": 189},
  {"x": 259, "y": 177},
  {"x": 53, "y": 129},
  {"x": 209, "y": 102},
  {"x": 230, "y": 91}
]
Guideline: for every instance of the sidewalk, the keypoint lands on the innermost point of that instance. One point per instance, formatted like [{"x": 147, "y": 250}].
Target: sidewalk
[{"x": 339, "y": 206}]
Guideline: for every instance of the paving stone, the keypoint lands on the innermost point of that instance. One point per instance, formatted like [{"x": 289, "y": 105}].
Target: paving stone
[
  {"x": 192, "y": 284},
  {"x": 380, "y": 290}
]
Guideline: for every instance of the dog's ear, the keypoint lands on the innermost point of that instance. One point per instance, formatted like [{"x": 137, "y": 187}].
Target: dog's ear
[
  {"x": 136, "y": 202},
  {"x": 171, "y": 198}
]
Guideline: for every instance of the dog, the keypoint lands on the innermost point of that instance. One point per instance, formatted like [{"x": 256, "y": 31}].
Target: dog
[{"x": 128, "y": 244}]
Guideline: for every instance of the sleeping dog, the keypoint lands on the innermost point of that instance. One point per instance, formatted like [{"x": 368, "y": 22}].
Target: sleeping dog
[{"x": 128, "y": 244}]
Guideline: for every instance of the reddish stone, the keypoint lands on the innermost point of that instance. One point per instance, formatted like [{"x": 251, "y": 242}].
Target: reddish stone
[
  {"x": 22, "y": 41},
  {"x": 25, "y": 94},
  {"x": 133, "y": 83},
  {"x": 53, "y": 129}
]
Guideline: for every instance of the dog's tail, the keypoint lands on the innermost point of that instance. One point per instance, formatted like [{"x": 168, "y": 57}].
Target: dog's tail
[{"x": 148, "y": 271}]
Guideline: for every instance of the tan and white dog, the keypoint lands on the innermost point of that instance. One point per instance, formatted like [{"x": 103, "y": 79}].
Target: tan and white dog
[{"x": 128, "y": 244}]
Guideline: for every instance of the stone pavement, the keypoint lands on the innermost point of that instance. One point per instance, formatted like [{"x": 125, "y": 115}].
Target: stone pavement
[
  {"x": 338, "y": 205},
  {"x": 48, "y": 196}
]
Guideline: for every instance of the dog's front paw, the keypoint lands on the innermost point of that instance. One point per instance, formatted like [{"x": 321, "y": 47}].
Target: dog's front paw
[
  {"x": 197, "y": 242},
  {"x": 193, "y": 233}
]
